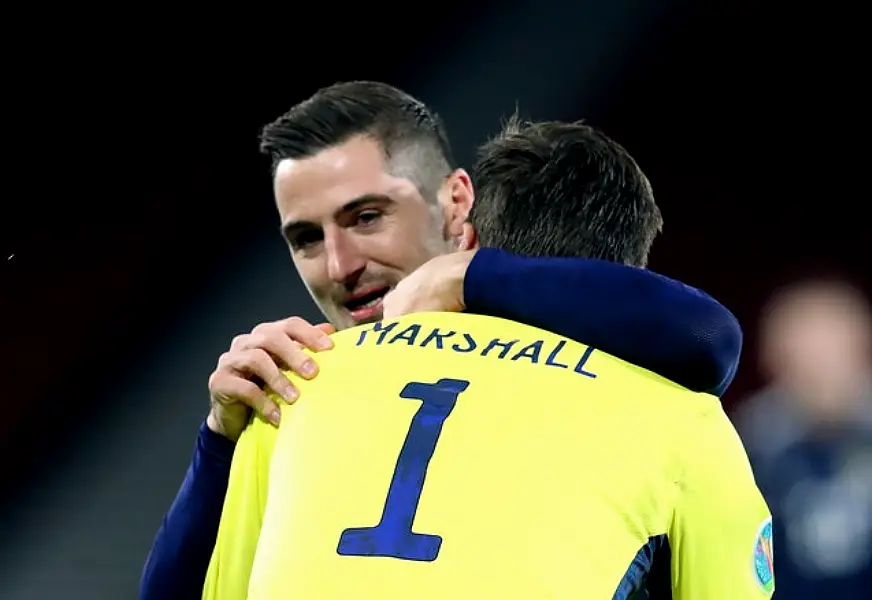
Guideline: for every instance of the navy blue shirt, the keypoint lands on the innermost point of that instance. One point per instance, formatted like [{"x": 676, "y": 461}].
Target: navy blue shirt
[
  {"x": 652, "y": 321},
  {"x": 820, "y": 494},
  {"x": 817, "y": 479}
]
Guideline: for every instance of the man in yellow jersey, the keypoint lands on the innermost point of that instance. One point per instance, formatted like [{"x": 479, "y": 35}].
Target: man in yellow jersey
[
  {"x": 442, "y": 454},
  {"x": 376, "y": 208}
]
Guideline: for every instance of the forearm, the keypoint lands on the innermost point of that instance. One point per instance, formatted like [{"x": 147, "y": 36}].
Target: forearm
[
  {"x": 178, "y": 560},
  {"x": 652, "y": 321}
]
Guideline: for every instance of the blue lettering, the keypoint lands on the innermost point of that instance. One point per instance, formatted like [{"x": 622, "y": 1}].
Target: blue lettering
[
  {"x": 409, "y": 334},
  {"x": 579, "y": 368},
  {"x": 437, "y": 337},
  {"x": 506, "y": 346},
  {"x": 530, "y": 351},
  {"x": 379, "y": 327},
  {"x": 497, "y": 347},
  {"x": 393, "y": 535},
  {"x": 551, "y": 361},
  {"x": 470, "y": 344}
]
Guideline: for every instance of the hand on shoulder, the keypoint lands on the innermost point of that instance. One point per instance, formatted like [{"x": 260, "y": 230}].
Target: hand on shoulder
[
  {"x": 435, "y": 286},
  {"x": 253, "y": 364}
]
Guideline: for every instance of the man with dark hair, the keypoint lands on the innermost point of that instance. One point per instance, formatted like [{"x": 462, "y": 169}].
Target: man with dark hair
[
  {"x": 411, "y": 136},
  {"x": 484, "y": 485},
  {"x": 558, "y": 189},
  {"x": 367, "y": 191},
  {"x": 389, "y": 163},
  {"x": 713, "y": 533}
]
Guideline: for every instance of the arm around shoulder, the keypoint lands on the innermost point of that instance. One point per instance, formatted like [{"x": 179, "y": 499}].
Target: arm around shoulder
[
  {"x": 647, "y": 319},
  {"x": 180, "y": 552}
]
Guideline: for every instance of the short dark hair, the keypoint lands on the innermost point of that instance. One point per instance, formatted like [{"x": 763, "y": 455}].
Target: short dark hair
[
  {"x": 563, "y": 189},
  {"x": 412, "y": 136}
]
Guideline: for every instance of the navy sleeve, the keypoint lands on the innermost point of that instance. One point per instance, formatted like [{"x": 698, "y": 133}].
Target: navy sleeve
[
  {"x": 644, "y": 318},
  {"x": 176, "y": 566}
]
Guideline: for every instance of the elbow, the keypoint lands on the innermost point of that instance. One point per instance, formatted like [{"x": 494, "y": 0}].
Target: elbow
[{"x": 724, "y": 352}]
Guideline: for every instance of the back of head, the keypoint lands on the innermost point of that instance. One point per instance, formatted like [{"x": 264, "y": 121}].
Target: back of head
[
  {"x": 563, "y": 189},
  {"x": 410, "y": 134}
]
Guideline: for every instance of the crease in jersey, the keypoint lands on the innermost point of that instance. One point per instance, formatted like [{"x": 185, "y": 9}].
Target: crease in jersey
[{"x": 648, "y": 576}]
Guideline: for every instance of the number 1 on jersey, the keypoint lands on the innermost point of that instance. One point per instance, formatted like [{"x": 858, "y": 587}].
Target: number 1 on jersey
[{"x": 393, "y": 535}]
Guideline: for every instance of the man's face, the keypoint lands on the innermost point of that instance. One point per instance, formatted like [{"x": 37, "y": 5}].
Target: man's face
[
  {"x": 817, "y": 341},
  {"x": 354, "y": 229}
]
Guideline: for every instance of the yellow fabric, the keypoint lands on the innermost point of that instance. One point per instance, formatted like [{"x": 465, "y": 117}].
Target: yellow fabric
[{"x": 556, "y": 465}]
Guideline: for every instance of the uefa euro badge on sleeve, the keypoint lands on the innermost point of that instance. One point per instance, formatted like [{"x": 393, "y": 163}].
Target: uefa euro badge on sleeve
[{"x": 764, "y": 572}]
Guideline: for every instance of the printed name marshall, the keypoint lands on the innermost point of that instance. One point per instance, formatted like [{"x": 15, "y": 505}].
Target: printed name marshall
[{"x": 535, "y": 352}]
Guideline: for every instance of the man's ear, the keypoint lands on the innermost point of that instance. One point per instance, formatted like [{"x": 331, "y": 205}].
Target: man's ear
[
  {"x": 468, "y": 239},
  {"x": 456, "y": 197}
]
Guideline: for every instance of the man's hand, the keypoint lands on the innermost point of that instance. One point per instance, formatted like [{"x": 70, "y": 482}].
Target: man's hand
[
  {"x": 254, "y": 363},
  {"x": 437, "y": 285}
]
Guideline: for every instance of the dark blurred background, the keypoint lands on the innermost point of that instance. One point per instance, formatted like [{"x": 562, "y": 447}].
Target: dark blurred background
[{"x": 143, "y": 236}]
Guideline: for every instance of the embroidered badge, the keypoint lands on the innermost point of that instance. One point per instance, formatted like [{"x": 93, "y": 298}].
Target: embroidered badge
[{"x": 764, "y": 571}]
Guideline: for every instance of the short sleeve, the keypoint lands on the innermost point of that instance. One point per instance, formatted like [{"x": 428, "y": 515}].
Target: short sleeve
[{"x": 721, "y": 535}]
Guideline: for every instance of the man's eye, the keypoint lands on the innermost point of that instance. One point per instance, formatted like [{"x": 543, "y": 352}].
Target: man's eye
[
  {"x": 305, "y": 240},
  {"x": 368, "y": 217}
]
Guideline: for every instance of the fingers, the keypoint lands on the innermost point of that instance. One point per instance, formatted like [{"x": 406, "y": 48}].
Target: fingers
[
  {"x": 285, "y": 341},
  {"x": 228, "y": 389},
  {"x": 311, "y": 337},
  {"x": 257, "y": 362},
  {"x": 326, "y": 328},
  {"x": 283, "y": 351}
]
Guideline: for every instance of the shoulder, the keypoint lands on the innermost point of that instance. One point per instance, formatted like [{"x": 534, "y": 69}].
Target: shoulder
[
  {"x": 715, "y": 456},
  {"x": 258, "y": 437}
]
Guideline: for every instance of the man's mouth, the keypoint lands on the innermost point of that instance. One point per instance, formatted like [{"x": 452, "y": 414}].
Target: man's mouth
[{"x": 367, "y": 305}]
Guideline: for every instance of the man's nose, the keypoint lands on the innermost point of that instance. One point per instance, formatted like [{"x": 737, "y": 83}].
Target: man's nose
[{"x": 344, "y": 260}]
